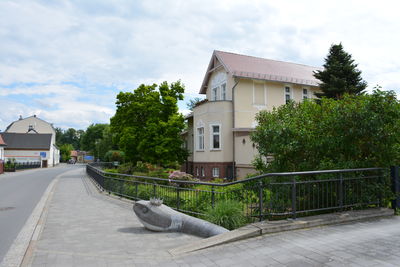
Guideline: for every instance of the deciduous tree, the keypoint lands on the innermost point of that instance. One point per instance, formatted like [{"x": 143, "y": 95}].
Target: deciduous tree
[{"x": 147, "y": 125}]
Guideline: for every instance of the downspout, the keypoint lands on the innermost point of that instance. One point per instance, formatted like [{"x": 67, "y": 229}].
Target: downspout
[{"x": 233, "y": 133}]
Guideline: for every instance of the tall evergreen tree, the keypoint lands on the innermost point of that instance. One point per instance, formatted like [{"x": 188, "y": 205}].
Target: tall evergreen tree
[{"x": 340, "y": 75}]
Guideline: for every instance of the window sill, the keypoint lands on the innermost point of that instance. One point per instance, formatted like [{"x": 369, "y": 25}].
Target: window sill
[
  {"x": 199, "y": 150},
  {"x": 216, "y": 149}
]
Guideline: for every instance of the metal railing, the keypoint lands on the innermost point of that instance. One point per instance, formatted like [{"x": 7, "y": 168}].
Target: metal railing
[
  {"x": 12, "y": 167},
  {"x": 271, "y": 195}
]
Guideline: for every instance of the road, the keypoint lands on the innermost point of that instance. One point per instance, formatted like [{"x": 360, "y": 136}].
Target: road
[{"x": 19, "y": 194}]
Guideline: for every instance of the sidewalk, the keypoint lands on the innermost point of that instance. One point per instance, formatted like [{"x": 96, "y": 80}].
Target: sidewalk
[{"x": 85, "y": 228}]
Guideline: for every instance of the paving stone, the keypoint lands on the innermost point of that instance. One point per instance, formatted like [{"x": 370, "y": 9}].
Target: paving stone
[{"x": 84, "y": 228}]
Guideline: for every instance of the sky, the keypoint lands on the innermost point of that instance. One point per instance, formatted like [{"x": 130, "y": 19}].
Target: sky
[{"x": 66, "y": 61}]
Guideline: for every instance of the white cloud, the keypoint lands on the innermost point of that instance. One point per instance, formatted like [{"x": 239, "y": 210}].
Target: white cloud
[{"x": 45, "y": 46}]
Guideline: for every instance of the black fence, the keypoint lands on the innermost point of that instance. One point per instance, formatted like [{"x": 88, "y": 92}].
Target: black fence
[
  {"x": 268, "y": 196},
  {"x": 12, "y": 167}
]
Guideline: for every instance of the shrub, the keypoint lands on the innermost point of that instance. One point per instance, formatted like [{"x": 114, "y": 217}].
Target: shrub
[
  {"x": 228, "y": 214},
  {"x": 114, "y": 155},
  {"x": 354, "y": 132},
  {"x": 182, "y": 176}
]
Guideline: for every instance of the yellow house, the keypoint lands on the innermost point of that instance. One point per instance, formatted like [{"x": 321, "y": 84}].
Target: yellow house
[{"x": 237, "y": 87}]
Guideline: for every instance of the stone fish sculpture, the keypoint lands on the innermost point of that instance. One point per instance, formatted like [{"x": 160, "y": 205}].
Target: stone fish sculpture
[{"x": 158, "y": 217}]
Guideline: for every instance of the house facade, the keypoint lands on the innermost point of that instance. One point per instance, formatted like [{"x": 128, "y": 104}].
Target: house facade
[
  {"x": 32, "y": 139},
  {"x": 237, "y": 87}
]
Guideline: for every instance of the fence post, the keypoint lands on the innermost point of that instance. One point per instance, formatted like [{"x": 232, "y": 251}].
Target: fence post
[
  {"x": 341, "y": 191},
  {"x": 260, "y": 200},
  {"x": 294, "y": 197},
  {"x": 178, "y": 200},
  {"x": 212, "y": 196},
  {"x": 394, "y": 173},
  {"x": 136, "y": 189},
  {"x": 154, "y": 191}
]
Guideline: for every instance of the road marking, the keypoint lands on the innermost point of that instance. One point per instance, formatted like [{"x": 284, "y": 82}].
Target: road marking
[{"x": 17, "y": 251}]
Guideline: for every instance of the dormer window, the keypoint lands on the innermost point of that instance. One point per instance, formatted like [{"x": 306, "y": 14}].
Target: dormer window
[{"x": 218, "y": 86}]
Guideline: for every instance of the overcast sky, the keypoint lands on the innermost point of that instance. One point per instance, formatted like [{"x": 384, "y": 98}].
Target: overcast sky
[{"x": 65, "y": 61}]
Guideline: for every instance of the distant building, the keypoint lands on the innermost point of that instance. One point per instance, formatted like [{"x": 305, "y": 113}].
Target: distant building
[
  {"x": 2, "y": 145},
  {"x": 81, "y": 156},
  {"x": 31, "y": 139}
]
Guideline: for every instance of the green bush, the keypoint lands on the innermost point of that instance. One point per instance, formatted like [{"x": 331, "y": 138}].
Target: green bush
[
  {"x": 228, "y": 214},
  {"x": 353, "y": 132},
  {"x": 114, "y": 155}
]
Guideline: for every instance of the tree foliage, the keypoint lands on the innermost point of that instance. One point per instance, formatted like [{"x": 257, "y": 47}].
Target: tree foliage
[
  {"x": 69, "y": 136},
  {"x": 147, "y": 124},
  {"x": 357, "y": 131},
  {"x": 92, "y": 136},
  {"x": 193, "y": 102},
  {"x": 65, "y": 151},
  {"x": 340, "y": 75},
  {"x": 104, "y": 144}
]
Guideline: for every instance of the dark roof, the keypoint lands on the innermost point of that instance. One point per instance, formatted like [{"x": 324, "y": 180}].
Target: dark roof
[
  {"x": 2, "y": 143},
  {"x": 242, "y": 66},
  {"x": 27, "y": 141}
]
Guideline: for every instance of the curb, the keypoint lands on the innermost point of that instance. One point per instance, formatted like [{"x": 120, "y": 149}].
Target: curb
[{"x": 269, "y": 227}]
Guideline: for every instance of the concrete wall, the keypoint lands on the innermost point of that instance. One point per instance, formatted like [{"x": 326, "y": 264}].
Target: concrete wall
[
  {"x": 247, "y": 102},
  {"x": 25, "y": 155},
  {"x": 33, "y": 155}
]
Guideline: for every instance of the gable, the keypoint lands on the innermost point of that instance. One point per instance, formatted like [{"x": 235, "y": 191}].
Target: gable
[
  {"x": 30, "y": 124},
  {"x": 216, "y": 73}
]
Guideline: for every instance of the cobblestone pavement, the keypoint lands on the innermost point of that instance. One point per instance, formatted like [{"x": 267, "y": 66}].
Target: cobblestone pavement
[
  {"x": 369, "y": 243},
  {"x": 84, "y": 228}
]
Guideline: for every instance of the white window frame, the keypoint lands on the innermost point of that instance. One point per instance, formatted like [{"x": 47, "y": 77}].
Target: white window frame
[
  {"x": 305, "y": 96},
  {"x": 214, "y": 93},
  {"x": 223, "y": 91},
  {"x": 290, "y": 94},
  {"x": 198, "y": 148},
  {"x": 212, "y": 136},
  {"x": 254, "y": 93},
  {"x": 215, "y": 172}
]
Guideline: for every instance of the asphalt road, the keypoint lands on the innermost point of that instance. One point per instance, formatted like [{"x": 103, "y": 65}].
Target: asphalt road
[{"x": 19, "y": 194}]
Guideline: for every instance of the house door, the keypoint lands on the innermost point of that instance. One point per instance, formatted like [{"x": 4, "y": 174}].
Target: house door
[{"x": 44, "y": 163}]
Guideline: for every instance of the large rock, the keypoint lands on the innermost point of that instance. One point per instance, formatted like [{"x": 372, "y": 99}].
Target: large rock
[{"x": 156, "y": 216}]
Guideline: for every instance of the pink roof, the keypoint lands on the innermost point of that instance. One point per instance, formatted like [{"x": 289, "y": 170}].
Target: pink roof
[
  {"x": 242, "y": 66},
  {"x": 2, "y": 143}
]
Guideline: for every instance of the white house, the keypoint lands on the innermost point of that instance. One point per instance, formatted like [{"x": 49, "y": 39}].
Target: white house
[{"x": 32, "y": 139}]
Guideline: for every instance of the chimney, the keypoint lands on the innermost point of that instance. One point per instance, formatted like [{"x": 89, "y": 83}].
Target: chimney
[{"x": 20, "y": 117}]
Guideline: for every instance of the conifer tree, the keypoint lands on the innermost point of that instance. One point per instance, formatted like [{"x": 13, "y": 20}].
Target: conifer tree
[{"x": 340, "y": 75}]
